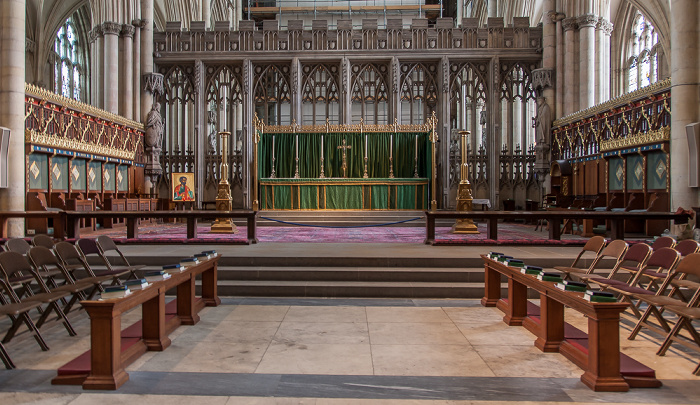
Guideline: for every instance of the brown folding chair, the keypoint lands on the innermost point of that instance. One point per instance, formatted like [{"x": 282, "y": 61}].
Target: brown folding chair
[
  {"x": 18, "y": 314},
  {"x": 43, "y": 240},
  {"x": 660, "y": 264},
  {"x": 18, "y": 245},
  {"x": 594, "y": 245},
  {"x": 635, "y": 259},
  {"x": 685, "y": 247},
  {"x": 663, "y": 241},
  {"x": 12, "y": 263},
  {"x": 71, "y": 258},
  {"x": 105, "y": 244},
  {"x": 615, "y": 250},
  {"x": 688, "y": 265},
  {"x": 686, "y": 316},
  {"x": 44, "y": 262}
]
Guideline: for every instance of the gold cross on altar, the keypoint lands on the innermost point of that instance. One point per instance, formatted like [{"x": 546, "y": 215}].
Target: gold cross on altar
[{"x": 345, "y": 148}]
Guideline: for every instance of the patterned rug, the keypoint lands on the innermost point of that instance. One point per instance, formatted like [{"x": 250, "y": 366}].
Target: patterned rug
[{"x": 508, "y": 234}]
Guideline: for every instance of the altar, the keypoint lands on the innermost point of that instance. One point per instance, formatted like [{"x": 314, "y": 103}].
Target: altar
[{"x": 345, "y": 167}]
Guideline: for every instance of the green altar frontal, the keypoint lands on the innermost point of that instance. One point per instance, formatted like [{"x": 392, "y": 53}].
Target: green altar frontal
[{"x": 344, "y": 194}]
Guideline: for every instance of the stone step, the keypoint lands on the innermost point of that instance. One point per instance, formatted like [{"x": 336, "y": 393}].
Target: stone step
[
  {"x": 328, "y": 289},
  {"x": 369, "y": 274}
]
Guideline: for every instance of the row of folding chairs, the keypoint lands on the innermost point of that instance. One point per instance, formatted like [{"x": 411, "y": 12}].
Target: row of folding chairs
[
  {"x": 662, "y": 278},
  {"x": 51, "y": 278}
]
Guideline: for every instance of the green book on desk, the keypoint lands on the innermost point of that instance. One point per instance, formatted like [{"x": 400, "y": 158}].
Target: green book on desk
[
  {"x": 571, "y": 286},
  {"x": 548, "y": 276},
  {"x": 599, "y": 296}
]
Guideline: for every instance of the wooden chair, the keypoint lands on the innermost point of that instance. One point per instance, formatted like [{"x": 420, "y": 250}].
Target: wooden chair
[
  {"x": 43, "y": 240},
  {"x": 19, "y": 279},
  {"x": 688, "y": 265},
  {"x": 18, "y": 314},
  {"x": 70, "y": 257},
  {"x": 686, "y": 316},
  {"x": 18, "y": 245},
  {"x": 614, "y": 250},
  {"x": 685, "y": 248},
  {"x": 12, "y": 263},
  {"x": 105, "y": 244},
  {"x": 44, "y": 261},
  {"x": 594, "y": 245},
  {"x": 635, "y": 260}
]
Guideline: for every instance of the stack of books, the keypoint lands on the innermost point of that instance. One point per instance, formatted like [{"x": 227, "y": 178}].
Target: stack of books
[
  {"x": 568, "y": 285},
  {"x": 534, "y": 270},
  {"x": 495, "y": 255},
  {"x": 158, "y": 275},
  {"x": 190, "y": 261},
  {"x": 115, "y": 291},
  {"x": 516, "y": 263},
  {"x": 173, "y": 268},
  {"x": 210, "y": 253},
  {"x": 549, "y": 276},
  {"x": 599, "y": 296},
  {"x": 504, "y": 258},
  {"x": 138, "y": 284}
]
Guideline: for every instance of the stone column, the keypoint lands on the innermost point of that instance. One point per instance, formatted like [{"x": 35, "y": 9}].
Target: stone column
[
  {"x": 136, "y": 75},
  {"x": 146, "y": 52},
  {"x": 586, "y": 25},
  {"x": 600, "y": 73},
  {"x": 559, "y": 78},
  {"x": 549, "y": 51},
  {"x": 206, "y": 13},
  {"x": 99, "y": 62},
  {"x": 569, "y": 25},
  {"x": 685, "y": 100},
  {"x": 111, "y": 32},
  {"x": 12, "y": 71},
  {"x": 606, "y": 67},
  {"x": 127, "y": 95},
  {"x": 92, "y": 37}
]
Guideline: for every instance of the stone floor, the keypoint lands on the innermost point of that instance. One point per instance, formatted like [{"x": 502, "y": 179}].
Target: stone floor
[{"x": 342, "y": 351}]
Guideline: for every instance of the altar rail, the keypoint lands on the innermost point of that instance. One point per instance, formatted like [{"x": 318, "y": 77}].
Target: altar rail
[{"x": 555, "y": 218}]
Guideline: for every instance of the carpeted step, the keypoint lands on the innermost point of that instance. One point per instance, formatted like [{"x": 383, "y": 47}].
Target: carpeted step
[
  {"x": 330, "y": 289},
  {"x": 431, "y": 274}
]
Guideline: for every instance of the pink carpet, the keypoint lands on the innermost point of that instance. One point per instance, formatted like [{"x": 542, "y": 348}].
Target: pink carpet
[{"x": 176, "y": 233}]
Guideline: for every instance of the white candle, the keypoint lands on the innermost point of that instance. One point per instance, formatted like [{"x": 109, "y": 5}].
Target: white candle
[
  {"x": 365, "y": 145},
  {"x": 296, "y": 139},
  {"x": 321, "y": 146},
  {"x": 273, "y": 147},
  {"x": 416, "y": 147},
  {"x": 391, "y": 146}
]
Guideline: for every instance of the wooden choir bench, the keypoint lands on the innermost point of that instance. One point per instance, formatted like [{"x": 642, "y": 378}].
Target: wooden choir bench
[{"x": 597, "y": 352}]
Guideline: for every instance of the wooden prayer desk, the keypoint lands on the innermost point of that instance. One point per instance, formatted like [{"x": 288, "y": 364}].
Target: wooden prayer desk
[
  {"x": 58, "y": 217},
  {"x": 107, "y": 360},
  {"x": 602, "y": 366}
]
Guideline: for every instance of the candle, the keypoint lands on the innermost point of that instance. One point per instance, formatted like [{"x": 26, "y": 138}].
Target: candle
[
  {"x": 416, "y": 147},
  {"x": 273, "y": 147},
  {"x": 391, "y": 146},
  {"x": 365, "y": 145},
  {"x": 321, "y": 146},
  {"x": 297, "y": 145}
]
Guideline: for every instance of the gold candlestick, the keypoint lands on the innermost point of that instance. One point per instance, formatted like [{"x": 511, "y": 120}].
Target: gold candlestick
[
  {"x": 464, "y": 192},
  {"x": 223, "y": 197}
]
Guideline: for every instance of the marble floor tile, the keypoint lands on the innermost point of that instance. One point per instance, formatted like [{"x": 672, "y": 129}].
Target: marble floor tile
[
  {"x": 474, "y": 315},
  {"x": 406, "y": 314},
  {"x": 117, "y": 399},
  {"x": 291, "y": 358},
  {"x": 407, "y": 333},
  {"x": 222, "y": 357},
  {"x": 22, "y": 398},
  {"x": 322, "y": 333},
  {"x": 232, "y": 331},
  {"x": 258, "y": 313},
  {"x": 326, "y": 314},
  {"x": 428, "y": 360},
  {"x": 480, "y": 334},
  {"x": 518, "y": 361}
]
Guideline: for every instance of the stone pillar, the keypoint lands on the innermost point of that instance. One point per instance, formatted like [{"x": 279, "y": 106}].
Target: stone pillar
[
  {"x": 586, "y": 25},
  {"x": 92, "y": 37},
  {"x": 12, "y": 71},
  {"x": 111, "y": 32},
  {"x": 127, "y": 94},
  {"x": 549, "y": 45},
  {"x": 99, "y": 62},
  {"x": 600, "y": 73},
  {"x": 206, "y": 13},
  {"x": 559, "y": 78},
  {"x": 146, "y": 52},
  {"x": 136, "y": 75},
  {"x": 569, "y": 25},
  {"x": 685, "y": 99},
  {"x": 606, "y": 67}
]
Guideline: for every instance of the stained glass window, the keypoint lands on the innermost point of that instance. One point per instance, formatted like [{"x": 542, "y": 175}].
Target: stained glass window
[
  {"x": 69, "y": 61},
  {"x": 642, "y": 61}
]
